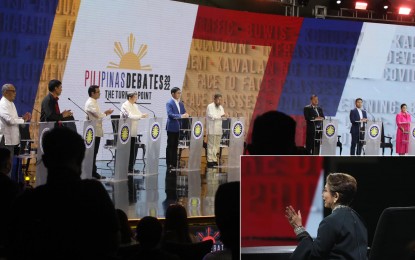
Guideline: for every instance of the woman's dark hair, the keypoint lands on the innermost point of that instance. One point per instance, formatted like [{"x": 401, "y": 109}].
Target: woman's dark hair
[
  {"x": 176, "y": 225},
  {"x": 403, "y": 105},
  {"x": 344, "y": 184},
  {"x": 4, "y": 158}
]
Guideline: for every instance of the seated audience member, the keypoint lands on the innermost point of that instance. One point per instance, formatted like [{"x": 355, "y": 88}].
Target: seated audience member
[
  {"x": 148, "y": 235},
  {"x": 176, "y": 227},
  {"x": 125, "y": 229},
  {"x": 273, "y": 133},
  {"x": 227, "y": 206},
  {"x": 342, "y": 234},
  {"x": 8, "y": 192},
  {"x": 67, "y": 218}
]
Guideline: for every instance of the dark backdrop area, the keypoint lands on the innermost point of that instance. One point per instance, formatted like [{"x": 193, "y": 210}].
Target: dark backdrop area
[{"x": 382, "y": 182}]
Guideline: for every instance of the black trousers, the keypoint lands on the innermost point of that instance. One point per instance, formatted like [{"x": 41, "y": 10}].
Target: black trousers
[
  {"x": 96, "y": 148},
  {"x": 133, "y": 153},
  {"x": 356, "y": 142},
  {"x": 171, "y": 149}
]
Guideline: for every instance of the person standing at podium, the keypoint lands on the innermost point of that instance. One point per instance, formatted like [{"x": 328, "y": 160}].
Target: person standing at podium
[
  {"x": 312, "y": 113},
  {"x": 403, "y": 119},
  {"x": 214, "y": 115},
  {"x": 358, "y": 117},
  {"x": 175, "y": 111},
  {"x": 10, "y": 120},
  {"x": 129, "y": 109},
  {"x": 94, "y": 113}
]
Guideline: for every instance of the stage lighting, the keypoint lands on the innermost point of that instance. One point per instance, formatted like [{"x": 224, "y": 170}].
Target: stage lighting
[
  {"x": 386, "y": 5},
  {"x": 404, "y": 10},
  {"x": 360, "y": 5},
  {"x": 338, "y": 2}
]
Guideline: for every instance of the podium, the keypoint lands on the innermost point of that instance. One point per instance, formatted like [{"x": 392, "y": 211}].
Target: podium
[
  {"x": 41, "y": 172},
  {"x": 318, "y": 129},
  {"x": 150, "y": 131},
  {"x": 372, "y": 137},
  {"x": 233, "y": 140},
  {"x": 329, "y": 137},
  {"x": 191, "y": 138},
  {"x": 123, "y": 135},
  {"x": 411, "y": 139},
  {"x": 89, "y": 138}
]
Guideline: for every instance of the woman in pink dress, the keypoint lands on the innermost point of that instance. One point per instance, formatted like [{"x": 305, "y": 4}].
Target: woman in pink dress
[{"x": 402, "y": 133}]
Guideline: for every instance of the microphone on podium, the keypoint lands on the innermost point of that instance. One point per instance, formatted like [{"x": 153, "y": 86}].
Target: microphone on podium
[
  {"x": 116, "y": 107},
  {"x": 154, "y": 114},
  {"x": 78, "y": 106},
  {"x": 363, "y": 108}
]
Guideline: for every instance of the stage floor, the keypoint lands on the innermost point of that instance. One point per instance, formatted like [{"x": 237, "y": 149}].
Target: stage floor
[{"x": 150, "y": 195}]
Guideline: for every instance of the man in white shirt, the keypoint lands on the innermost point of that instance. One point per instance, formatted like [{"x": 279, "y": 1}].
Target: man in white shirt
[
  {"x": 9, "y": 119},
  {"x": 130, "y": 110},
  {"x": 214, "y": 116},
  {"x": 94, "y": 113}
]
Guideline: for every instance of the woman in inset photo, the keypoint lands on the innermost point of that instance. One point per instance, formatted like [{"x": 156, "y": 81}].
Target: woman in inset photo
[{"x": 342, "y": 234}]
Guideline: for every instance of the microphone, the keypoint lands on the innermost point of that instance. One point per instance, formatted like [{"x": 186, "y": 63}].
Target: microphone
[
  {"x": 194, "y": 110},
  {"x": 116, "y": 107},
  {"x": 369, "y": 114},
  {"x": 154, "y": 115},
  {"x": 78, "y": 106}
]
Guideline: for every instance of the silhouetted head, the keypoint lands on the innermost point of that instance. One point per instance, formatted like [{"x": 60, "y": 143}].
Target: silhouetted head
[
  {"x": 5, "y": 161},
  {"x": 227, "y": 206},
  {"x": 176, "y": 221},
  {"x": 149, "y": 232},
  {"x": 273, "y": 133},
  {"x": 125, "y": 229},
  {"x": 64, "y": 152}
]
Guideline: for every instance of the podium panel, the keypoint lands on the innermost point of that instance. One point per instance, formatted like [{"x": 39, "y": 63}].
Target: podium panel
[
  {"x": 89, "y": 138},
  {"x": 372, "y": 137},
  {"x": 329, "y": 137},
  {"x": 236, "y": 141},
  {"x": 411, "y": 144},
  {"x": 41, "y": 172},
  {"x": 191, "y": 137},
  {"x": 149, "y": 132},
  {"x": 123, "y": 148}
]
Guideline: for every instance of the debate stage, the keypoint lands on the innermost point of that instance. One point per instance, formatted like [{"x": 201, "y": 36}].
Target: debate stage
[{"x": 150, "y": 194}]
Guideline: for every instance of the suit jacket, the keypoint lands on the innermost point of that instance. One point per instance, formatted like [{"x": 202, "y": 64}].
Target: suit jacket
[
  {"x": 354, "y": 116},
  {"x": 48, "y": 112},
  {"x": 341, "y": 235},
  {"x": 174, "y": 116},
  {"x": 311, "y": 114}
]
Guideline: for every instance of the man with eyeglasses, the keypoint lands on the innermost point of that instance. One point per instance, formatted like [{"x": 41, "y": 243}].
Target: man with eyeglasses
[{"x": 9, "y": 119}]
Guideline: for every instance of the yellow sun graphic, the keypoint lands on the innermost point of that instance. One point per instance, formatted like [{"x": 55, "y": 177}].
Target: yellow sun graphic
[
  {"x": 130, "y": 60},
  {"x": 89, "y": 136},
  {"x": 374, "y": 131},
  {"x": 155, "y": 131},
  {"x": 198, "y": 130},
  {"x": 330, "y": 130},
  {"x": 237, "y": 129},
  {"x": 124, "y": 133}
]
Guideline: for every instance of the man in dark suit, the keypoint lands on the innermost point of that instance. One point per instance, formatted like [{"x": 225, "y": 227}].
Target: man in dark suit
[
  {"x": 175, "y": 112},
  {"x": 313, "y": 112},
  {"x": 50, "y": 110},
  {"x": 358, "y": 118}
]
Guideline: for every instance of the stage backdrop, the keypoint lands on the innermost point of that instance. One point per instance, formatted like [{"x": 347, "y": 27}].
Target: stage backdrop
[{"x": 258, "y": 62}]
